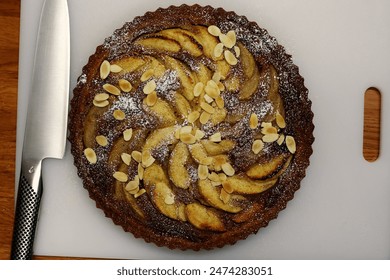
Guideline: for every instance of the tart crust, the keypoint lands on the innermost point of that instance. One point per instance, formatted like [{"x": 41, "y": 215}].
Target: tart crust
[{"x": 180, "y": 227}]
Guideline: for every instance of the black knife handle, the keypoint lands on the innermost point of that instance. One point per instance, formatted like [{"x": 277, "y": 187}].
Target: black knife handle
[{"x": 26, "y": 215}]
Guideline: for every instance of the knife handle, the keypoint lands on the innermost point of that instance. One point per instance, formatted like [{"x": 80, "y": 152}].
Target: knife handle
[{"x": 26, "y": 212}]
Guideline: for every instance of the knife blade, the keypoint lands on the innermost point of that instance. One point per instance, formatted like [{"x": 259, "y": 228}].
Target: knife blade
[{"x": 46, "y": 122}]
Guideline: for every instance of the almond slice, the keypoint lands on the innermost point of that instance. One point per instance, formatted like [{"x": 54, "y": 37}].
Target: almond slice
[
  {"x": 185, "y": 129},
  {"x": 199, "y": 134},
  {"x": 198, "y": 89},
  {"x": 220, "y": 102},
  {"x": 169, "y": 199},
  {"x": 193, "y": 116},
  {"x": 221, "y": 86},
  {"x": 224, "y": 196},
  {"x": 147, "y": 75},
  {"x": 101, "y": 104},
  {"x": 101, "y": 140},
  {"x": 127, "y": 134},
  {"x": 228, "y": 169},
  {"x": 290, "y": 143},
  {"x": 226, "y": 40},
  {"x": 208, "y": 99},
  {"x": 253, "y": 121},
  {"x": 104, "y": 69},
  {"x": 214, "y": 30},
  {"x": 148, "y": 162},
  {"x": 203, "y": 171},
  {"x": 120, "y": 176},
  {"x": 280, "y": 120},
  {"x": 237, "y": 51},
  {"x": 119, "y": 115},
  {"x": 149, "y": 87},
  {"x": 206, "y": 161},
  {"x": 269, "y": 130},
  {"x": 141, "y": 171},
  {"x": 101, "y": 97},
  {"x": 134, "y": 191},
  {"x": 217, "y": 77},
  {"x": 139, "y": 193},
  {"x": 230, "y": 58},
  {"x": 125, "y": 85},
  {"x": 232, "y": 36},
  {"x": 132, "y": 187},
  {"x": 257, "y": 146},
  {"x": 115, "y": 68},
  {"x": 212, "y": 84},
  {"x": 207, "y": 107},
  {"x": 269, "y": 138},
  {"x": 111, "y": 89},
  {"x": 204, "y": 117},
  {"x": 137, "y": 156},
  {"x": 136, "y": 179},
  {"x": 147, "y": 159},
  {"x": 90, "y": 155},
  {"x": 151, "y": 99},
  {"x": 222, "y": 176},
  {"x": 212, "y": 91},
  {"x": 266, "y": 124},
  {"x": 126, "y": 158},
  {"x": 216, "y": 137},
  {"x": 280, "y": 139},
  {"x": 227, "y": 187},
  {"x": 214, "y": 177},
  {"x": 218, "y": 50},
  {"x": 187, "y": 138}
]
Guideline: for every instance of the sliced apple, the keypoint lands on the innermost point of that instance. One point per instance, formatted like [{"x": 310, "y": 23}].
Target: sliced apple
[
  {"x": 214, "y": 149},
  {"x": 186, "y": 77},
  {"x": 90, "y": 125},
  {"x": 162, "y": 111},
  {"x": 163, "y": 198},
  {"x": 121, "y": 146},
  {"x": 207, "y": 41},
  {"x": 182, "y": 106},
  {"x": 271, "y": 168},
  {"x": 244, "y": 185},
  {"x": 185, "y": 40},
  {"x": 177, "y": 170},
  {"x": 198, "y": 153},
  {"x": 131, "y": 63},
  {"x": 211, "y": 195},
  {"x": 159, "y": 44},
  {"x": 203, "y": 218},
  {"x": 248, "y": 213},
  {"x": 218, "y": 116},
  {"x": 160, "y": 137},
  {"x": 155, "y": 174},
  {"x": 133, "y": 203},
  {"x": 247, "y": 61}
]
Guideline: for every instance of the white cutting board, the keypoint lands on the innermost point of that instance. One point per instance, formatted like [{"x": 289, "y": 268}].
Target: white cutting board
[{"x": 342, "y": 210}]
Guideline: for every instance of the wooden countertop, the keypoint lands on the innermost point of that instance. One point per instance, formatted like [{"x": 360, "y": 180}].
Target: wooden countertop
[{"x": 9, "y": 52}]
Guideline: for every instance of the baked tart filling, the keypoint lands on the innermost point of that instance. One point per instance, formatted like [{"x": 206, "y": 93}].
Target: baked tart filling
[{"x": 191, "y": 127}]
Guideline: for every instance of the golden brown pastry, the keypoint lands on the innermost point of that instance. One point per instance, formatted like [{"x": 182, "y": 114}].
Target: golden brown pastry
[{"x": 191, "y": 127}]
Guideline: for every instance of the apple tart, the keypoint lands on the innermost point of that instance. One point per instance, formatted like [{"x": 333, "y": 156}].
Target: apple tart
[{"x": 191, "y": 127}]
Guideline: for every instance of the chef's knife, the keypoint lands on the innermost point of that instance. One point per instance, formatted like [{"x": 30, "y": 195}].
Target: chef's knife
[{"x": 46, "y": 123}]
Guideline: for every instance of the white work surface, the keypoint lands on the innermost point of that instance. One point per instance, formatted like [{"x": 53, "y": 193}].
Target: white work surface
[{"x": 342, "y": 210}]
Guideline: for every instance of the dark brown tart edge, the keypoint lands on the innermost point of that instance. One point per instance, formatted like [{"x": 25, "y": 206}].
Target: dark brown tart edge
[{"x": 291, "y": 89}]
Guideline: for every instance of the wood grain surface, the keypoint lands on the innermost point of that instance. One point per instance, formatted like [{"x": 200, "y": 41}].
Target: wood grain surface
[{"x": 9, "y": 51}]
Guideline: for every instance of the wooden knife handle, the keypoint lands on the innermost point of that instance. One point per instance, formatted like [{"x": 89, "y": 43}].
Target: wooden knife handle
[{"x": 26, "y": 213}]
